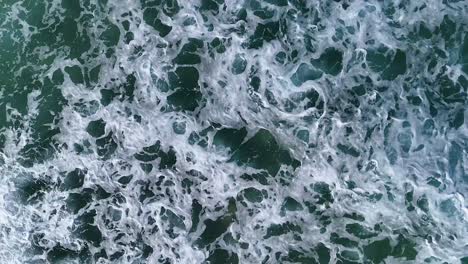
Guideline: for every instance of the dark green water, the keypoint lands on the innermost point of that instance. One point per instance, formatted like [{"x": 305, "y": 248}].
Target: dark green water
[{"x": 224, "y": 131}]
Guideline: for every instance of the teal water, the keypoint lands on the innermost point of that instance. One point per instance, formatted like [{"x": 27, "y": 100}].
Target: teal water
[{"x": 224, "y": 131}]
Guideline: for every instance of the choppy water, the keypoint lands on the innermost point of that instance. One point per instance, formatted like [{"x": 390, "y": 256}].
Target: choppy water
[{"x": 233, "y": 131}]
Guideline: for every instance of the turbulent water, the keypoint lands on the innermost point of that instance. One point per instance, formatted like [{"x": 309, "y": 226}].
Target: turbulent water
[{"x": 233, "y": 131}]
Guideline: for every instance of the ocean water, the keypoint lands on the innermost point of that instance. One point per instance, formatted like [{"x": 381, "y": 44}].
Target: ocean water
[{"x": 233, "y": 131}]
